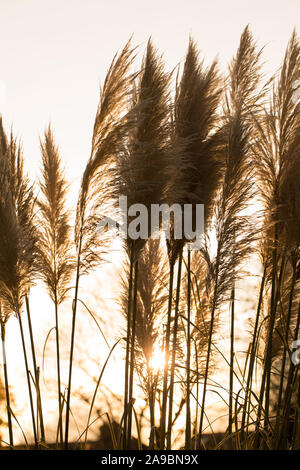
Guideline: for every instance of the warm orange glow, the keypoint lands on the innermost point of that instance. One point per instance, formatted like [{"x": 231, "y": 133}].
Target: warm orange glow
[{"x": 157, "y": 360}]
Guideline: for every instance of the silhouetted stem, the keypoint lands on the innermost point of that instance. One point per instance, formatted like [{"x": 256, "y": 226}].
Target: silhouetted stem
[
  {"x": 286, "y": 328},
  {"x": 126, "y": 390},
  {"x": 132, "y": 353},
  {"x": 28, "y": 378},
  {"x": 36, "y": 375},
  {"x": 166, "y": 362},
  {"x": 72, "y": 345},
  {"x": 151, "y": 394},
  {"x": 282, "y": 435},
  {"x": 252, "y": 354},
  {"x": 230, "y": 410},
  {"x": 188, "y": 358},
  {"x": 58, "y": 367},
  {"x": 175, "y": 330},
  {"x": 210, "y": 335},
  {"x": 265, "y": 383},
  {"x": 268, "y": 363},
  {"x": 10, "y": 430},
  {"x": 197, "y": 399}
]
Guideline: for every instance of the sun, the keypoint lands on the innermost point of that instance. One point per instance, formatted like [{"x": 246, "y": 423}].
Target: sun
[{"x": 157, "y": 360}]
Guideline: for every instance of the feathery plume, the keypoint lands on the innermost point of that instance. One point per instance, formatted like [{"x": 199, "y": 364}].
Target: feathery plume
[
  {"x": 139, "y": 172},
  {"x": 196, "y": 138},
  {"x": 277, "y": 153},
  {"x": 18, "y": 250},
  {"x": 108, "y": 133},
  {"x": 151, "y": 306},
  {"x": 55, "y": 258},
  {"x": 235, "y": 231}
]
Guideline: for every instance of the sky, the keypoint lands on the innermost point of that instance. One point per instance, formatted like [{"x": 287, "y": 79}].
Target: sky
[{"x": 55, "y": 54}]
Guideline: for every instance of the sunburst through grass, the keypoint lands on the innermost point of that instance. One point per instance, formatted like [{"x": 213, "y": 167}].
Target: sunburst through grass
[{"x": 157, "y": 360}]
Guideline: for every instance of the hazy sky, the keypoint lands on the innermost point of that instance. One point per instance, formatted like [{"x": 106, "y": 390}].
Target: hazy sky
[{"x": 54, "y": 54}]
